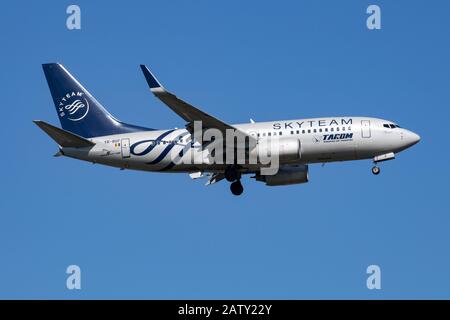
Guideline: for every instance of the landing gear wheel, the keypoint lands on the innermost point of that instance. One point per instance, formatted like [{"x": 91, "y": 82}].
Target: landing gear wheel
[
  {"x": 236, "y": 188},
  {"x": 376, "y": 170}
]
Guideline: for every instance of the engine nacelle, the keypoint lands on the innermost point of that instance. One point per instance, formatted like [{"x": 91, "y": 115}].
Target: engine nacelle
[
  {"x": 289, "y": 149},
  {"x": 293, "y": 174}
]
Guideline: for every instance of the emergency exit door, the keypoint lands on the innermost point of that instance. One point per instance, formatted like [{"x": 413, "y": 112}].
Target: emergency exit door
[
  {"x": 125, "y": 146},
  {"x": 365, "y": 128}
]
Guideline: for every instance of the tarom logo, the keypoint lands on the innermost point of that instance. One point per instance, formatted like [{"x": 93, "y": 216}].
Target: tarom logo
[{"x": 73, "y": 106}]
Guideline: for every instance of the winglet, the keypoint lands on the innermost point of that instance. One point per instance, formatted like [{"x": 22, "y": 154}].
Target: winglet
[{"x": 153, "y": 83}]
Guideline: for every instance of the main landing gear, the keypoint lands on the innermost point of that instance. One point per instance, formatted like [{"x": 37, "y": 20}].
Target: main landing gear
[
  {"x": 236, "y": 188},
  {"x": 233, "y": 175}
]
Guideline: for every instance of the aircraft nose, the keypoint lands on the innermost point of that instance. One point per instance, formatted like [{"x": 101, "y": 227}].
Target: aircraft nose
[
  {"x": 410, "y": 138},
  {"x": 416, "y": 137}
]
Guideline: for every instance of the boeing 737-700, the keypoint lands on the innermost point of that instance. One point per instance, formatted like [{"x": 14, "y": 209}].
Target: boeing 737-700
[{"x": 208, "y": 147}]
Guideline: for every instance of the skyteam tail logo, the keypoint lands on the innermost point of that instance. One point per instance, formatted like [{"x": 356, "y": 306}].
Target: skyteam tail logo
[{"x": 73, "y": 106}]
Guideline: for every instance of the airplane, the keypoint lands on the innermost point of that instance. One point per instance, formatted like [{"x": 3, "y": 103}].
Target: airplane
[{"x": 90, "y": 133}]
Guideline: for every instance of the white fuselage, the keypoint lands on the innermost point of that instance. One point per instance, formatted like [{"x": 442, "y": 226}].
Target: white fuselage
[{"x": 321, "y": 140}]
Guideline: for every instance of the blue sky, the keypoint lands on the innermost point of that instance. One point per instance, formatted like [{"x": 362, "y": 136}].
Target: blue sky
[{"x": 150, "y": 235}]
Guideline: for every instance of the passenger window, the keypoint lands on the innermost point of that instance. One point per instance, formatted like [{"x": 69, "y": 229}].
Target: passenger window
[
  {"x": 298, "y": 131},
  {"x": 315, "y": 130},
  {"x": 331, "y": 129},
  {"x": 309, "y": 130},
  {"x": 274, "y": 133},
  {"x": 320, "y": 130},
  {"x": 269, "y": 134},
  {"x": 303, "y": 131},
  {"x": 337, "y": 129},
  {"x": 343, "y": 128},
  {"x": 264, "y": 134},
  {"x": 292, "y": 132},
  {"x": 280, "y": 133}
]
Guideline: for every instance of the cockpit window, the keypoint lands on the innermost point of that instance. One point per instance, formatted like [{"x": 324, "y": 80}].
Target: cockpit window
[{"x": 390, "y": 125}]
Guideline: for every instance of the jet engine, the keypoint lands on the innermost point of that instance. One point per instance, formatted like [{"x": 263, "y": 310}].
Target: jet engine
[{"x": 292, "y": 174}]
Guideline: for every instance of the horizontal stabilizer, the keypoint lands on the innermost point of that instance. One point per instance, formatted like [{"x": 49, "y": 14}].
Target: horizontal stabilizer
[{"x": 62, "y": 137}]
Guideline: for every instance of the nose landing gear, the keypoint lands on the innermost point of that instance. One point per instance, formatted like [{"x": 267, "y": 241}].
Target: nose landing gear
[
  {"x": 384, "y": 157},
  {"x": 376, "y": 170}
]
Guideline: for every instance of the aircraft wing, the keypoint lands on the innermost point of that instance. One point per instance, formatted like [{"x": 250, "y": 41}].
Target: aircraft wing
[{"x": 187, "y": 111}]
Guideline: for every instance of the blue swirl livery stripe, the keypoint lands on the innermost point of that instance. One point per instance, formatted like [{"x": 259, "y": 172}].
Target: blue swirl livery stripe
[
  {"x": 180, "y": 155},
  {"x": 167, "y": 150},
  {"x": 151, "y": 146}
]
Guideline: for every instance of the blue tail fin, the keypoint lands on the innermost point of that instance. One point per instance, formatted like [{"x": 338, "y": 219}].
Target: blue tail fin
[{"x": 78, "y": 110}]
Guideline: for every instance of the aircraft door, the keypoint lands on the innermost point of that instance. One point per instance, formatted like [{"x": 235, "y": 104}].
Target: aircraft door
[
  {"x": 365, "y": 129},
  {"x": 299, "y": 148},
  {"x": 125, "y": 147}
]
